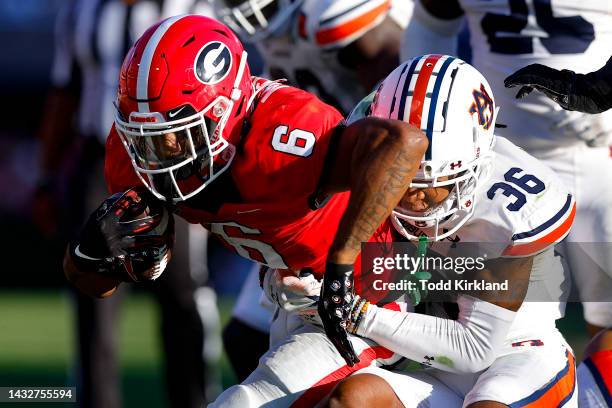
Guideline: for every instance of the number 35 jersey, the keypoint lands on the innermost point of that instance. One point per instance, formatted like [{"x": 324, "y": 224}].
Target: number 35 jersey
[
  {"x": 507, "y": 35},
  {"x": 276, "y": 169}
]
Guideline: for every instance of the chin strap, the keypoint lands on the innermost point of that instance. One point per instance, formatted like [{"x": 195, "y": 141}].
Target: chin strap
[{"x": 236, "y": 92}]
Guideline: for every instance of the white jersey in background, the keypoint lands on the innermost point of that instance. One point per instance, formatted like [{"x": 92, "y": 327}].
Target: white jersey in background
[
  {"x": 507, "y": 35},
  {"x": 562, "y": 34},
  {"x": 307, "y": 54}
]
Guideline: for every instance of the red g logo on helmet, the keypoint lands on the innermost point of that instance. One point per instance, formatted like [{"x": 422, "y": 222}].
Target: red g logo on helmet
[
  {"x": 483, "y": 105},
  {"x": 213, "y": 63}
]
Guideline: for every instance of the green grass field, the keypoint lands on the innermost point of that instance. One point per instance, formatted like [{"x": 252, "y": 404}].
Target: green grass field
[{"x": 37, "y": 344}]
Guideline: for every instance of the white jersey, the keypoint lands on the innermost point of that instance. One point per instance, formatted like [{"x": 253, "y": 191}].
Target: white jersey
[
  {"x": 307, "y": 56},
  {"x": 564, "y": 34},
  {"x": 522, "y": 209}
]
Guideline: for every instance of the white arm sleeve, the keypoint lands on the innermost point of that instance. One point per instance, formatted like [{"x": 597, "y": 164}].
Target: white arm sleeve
[
  {"x": 468, "y": 344},
  {"x": 427, "y": 34}
]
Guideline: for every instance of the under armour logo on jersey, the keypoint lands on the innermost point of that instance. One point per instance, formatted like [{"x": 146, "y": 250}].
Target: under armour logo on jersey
[
  {"x": 213, "y": 63},
  {"x": 483, "y": 105},
  {"x": 531, "y": 343},
  {"x": 456, "y": 164}
]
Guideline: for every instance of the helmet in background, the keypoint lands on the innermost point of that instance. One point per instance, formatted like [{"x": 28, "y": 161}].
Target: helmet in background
[{"x": 255, "y": 19}]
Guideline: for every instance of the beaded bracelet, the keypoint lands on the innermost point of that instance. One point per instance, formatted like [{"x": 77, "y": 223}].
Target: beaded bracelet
[
  {"x": 361, "y": 313},
  {"x": 355, "y": 313}
]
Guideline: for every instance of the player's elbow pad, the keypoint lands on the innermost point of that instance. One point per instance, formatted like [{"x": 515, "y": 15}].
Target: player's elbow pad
[
  {"x": 466, "y": 345},
  {"x": 428, "y": 34}
]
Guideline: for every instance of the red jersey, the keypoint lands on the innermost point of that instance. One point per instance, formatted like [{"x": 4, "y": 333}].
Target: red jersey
[{"x": 275, "y": 170}]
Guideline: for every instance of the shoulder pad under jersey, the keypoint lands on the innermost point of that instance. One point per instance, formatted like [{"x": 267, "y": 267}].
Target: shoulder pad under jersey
[{"x": 526, "y": 200}]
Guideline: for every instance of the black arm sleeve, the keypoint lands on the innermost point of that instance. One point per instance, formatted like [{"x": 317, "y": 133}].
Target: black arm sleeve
[{"x": 592, "y": 92}]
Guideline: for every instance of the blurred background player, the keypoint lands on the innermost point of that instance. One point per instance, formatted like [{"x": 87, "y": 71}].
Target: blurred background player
[
  {"x": 336, "y": 49},
  {"x": 589, "y": 93},
  {"x": 505, "y": 36},
  {"x": 92, "y": 38}
]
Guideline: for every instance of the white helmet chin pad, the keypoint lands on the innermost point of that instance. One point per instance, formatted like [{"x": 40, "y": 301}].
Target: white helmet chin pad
[{"x": 452, "y": 103}]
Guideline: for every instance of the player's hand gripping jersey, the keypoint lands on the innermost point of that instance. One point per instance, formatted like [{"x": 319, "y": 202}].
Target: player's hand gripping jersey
[
  {"x": 304, "y": 48},
  {"x": 275, "y": 171}
]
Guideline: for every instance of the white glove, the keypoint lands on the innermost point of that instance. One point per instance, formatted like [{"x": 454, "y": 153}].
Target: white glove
[{"x": 293, "y": 293}]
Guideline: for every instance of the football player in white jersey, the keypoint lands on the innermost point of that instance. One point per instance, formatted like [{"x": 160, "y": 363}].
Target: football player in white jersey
[
  {"x": 590, "y": 93},
  {"x": 507, "y": 35},
  {"x": 472, "y": 188},
  {"x": 336, "y": 49}
]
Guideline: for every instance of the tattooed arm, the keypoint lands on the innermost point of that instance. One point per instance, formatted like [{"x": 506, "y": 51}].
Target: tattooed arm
[
  {"x": 376, "y": 161},
  {"x": 382, "y": 156}
]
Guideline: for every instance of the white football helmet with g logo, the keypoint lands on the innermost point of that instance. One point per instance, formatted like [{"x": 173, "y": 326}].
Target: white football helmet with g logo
[{"x": 453, "y": 104}]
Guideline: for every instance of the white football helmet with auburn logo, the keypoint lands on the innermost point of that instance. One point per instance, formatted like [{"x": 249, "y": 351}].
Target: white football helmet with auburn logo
[{"x": 453, "y": 104}]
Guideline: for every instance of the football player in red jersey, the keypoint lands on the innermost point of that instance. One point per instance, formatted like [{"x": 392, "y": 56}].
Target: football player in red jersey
[
  {"x": 296, "y": 189},
  {"x": 336, "y": 49}
]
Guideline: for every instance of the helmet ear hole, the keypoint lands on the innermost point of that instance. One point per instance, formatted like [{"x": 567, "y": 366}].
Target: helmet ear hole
[{"x": 219, "y": 108}]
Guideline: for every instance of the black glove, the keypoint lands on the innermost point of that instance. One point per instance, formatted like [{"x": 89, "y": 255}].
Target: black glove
[
  {"x": 591, "y": 93},
  {"x": 334, "y": 308},
  {"x": 129, "y": 237}
]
